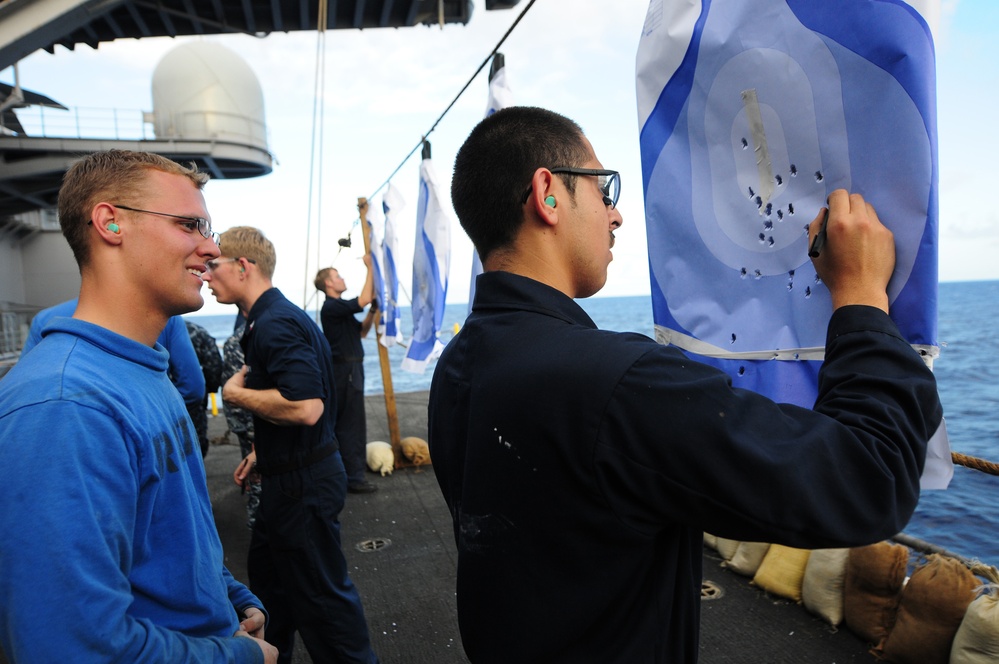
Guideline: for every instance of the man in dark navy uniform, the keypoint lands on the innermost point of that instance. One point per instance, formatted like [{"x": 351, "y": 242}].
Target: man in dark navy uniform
[
  {"x": 581, "y": 466},
  {"x": 344, "y": 333},
  {"x": 295, "y": 558}
]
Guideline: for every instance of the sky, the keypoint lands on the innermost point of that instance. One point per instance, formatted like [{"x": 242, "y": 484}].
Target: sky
[{"x": 383, "y": 89}]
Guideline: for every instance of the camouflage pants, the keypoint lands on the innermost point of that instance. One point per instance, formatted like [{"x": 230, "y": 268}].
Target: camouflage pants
[{"x": 251, "y": 486}]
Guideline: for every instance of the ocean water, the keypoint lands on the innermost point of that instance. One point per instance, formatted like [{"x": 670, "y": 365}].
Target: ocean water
[{"x": 963, "y": 519}]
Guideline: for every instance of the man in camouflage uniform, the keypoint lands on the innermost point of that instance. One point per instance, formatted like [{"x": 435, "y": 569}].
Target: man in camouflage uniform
[
  {"x": 240, "y": 420},
  {"x": 207, "y": 351}
]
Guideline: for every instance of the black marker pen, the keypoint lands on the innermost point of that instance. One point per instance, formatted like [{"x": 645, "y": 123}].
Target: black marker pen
[{"x": 820, "y": 238}]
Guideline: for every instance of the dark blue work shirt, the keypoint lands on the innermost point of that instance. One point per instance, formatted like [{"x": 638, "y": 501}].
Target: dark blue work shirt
[
  {"x": 581, "y": 467},
  {"x": 285, "y": 349},
  {"x": 342, "y": 329}
]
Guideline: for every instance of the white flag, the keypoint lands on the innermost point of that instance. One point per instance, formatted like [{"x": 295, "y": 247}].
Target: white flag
[
  {"x": 499, "y": 97},
  {"x": 391, "y": 325},
  {"x": 431, "y": 263}
]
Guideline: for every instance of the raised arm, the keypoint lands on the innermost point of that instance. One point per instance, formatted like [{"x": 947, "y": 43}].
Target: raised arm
[
  {"x": 368, "y": 291},
  {"x": 858, "y": 256}
]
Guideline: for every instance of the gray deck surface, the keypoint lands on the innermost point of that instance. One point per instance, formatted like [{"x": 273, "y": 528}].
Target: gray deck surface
[{"x": 407, "y": 586}]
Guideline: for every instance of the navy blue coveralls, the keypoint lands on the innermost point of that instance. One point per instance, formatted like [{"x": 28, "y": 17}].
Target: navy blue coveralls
[
  {"x": 343, "y": 332},
  {"x": 296, "y": 565},
  {"x": 581, "y": 467}
]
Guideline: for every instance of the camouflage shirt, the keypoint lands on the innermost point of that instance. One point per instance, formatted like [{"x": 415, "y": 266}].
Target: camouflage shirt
[
  {"x": 240, "y": 420},
  {"x": 207, "y": 351}
]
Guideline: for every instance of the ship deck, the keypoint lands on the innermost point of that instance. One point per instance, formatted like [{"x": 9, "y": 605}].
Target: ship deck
[{"x": 400, "y": 548}]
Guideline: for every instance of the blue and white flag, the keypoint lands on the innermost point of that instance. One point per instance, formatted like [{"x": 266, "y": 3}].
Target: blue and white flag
[
  {"x": 751, "y": 113},
  {"x": 500, "y": 96},
  {"x": 477, "y": 269},
  {"x": 381, "y": 288},
  {"x": 377, "y": 260},
  {"x": 390, "y": 327},
  {"x": 431, "y": 263}
]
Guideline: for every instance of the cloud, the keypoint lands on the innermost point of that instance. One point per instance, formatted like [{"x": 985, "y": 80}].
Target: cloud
[{"x": 978, "y": 225}]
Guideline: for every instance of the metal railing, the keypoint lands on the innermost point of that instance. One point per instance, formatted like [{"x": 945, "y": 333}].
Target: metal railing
[
  {"x": 82, "y": 122},
  {"x": 132, "y": 124},
  {"x": 14, "y": 324}
]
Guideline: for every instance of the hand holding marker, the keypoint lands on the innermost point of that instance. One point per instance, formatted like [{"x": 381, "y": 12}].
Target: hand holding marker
[{"x": 820, "y": 238}]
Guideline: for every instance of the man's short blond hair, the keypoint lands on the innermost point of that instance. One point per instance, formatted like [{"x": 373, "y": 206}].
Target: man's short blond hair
[
  {"x": 249, "y": 242},
  {"x": 111, "y": 176}
]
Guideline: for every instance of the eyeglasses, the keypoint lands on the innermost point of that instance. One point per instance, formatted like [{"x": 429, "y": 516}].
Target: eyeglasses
[
  {"x": 609, "y": 183},
  {"x": 190, "y": 223},
  {"x": 216, "y": 263}
]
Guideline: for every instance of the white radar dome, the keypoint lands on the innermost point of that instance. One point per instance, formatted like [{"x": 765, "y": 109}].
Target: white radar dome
[{"x": 203, "y": 90}]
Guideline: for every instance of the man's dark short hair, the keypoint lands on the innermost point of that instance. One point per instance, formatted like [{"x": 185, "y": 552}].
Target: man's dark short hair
[{"x": 495, "y": 165}]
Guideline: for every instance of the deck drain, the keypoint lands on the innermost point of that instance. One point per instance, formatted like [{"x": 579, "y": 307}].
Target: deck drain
[
  {"x": 711, "y": 590},
  {"x": 373, "y": 544}
]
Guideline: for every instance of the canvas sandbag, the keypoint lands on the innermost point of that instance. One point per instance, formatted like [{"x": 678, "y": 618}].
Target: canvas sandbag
[
  {"x": 872, "y": 589},
  {"x": 822, "y": 586},
  {"x": 782, "y": 571},
  {"x": 929, "y": 613},
  {"x": 977, "y": 639},
  {"x": 747, "y": 558},
  {"x": 726, "y": 547}
]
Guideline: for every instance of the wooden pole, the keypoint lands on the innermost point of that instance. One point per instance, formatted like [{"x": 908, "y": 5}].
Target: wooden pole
[{"x": 383, "y": 358}]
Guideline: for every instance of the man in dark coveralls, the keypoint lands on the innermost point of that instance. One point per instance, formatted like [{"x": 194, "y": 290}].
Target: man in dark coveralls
[
  {"x": 295, "y": 558},
  {"x": 581, "y": 466},
  {"x": 344, "y": 333}
]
